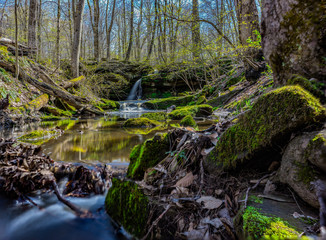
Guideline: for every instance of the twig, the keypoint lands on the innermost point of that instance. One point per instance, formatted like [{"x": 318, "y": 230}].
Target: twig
[
  {"x": 256, "y": 185},
  {"x": 77, "y": 210},
  {"x": 32, "y": 202},
  {"x": 156, "y": 222},
  {"x": 201, "y": 177},
  {"x": 296, "y": 202}
]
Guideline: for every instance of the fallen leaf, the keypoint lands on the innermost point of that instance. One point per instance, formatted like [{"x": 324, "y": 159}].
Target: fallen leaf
[
  {"x": 186, "y": 181},
  {"x": 210, "y": 202},
  {"x": 206, "y": 151},
  {"x": 216, "y": 222}
]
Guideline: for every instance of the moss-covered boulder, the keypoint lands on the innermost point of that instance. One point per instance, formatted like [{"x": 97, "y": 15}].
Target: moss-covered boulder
[
  {"x": 140, "y": 123},
  {"x": 157, "y": 116},
  {"x": 303, "y": 163},
  {"x": 164, "y": 103},
  {"x": 127, "y": 205},
  {"x": 147, "y": 154},
  {"x": 255, "y": 138},
  {"x": 188, "y": 121},
  {"x": 203, "y": 110}
]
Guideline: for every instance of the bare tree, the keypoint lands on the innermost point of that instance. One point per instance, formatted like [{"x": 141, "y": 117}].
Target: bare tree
[
  {"x": 78, "y": 11},
  {"x": 109, "y": 28},
  {"x": 57, "y": 48},
  {"x": 131, "y": 32},
  {"x": 32, "y": 26},
  {"x": 195, "y": 29},
  {"x": 95, "y": 18}
]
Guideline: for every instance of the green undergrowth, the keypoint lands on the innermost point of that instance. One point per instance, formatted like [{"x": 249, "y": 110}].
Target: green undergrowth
[
  {"x": 127, "y": 205},
  {"x": 164, "y": 103}
]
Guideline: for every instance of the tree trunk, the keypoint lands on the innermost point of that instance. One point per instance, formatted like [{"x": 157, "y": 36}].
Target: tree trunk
[
  {"x": 16, "y": 40},
  {"x": 247, "y": 15},
  {"x": 138, "y": 46},
  {"x": 150, "y": 49},
  {"x": 32, "y": 26},
  {"x": 39, "y": 22},
  {"x": 75, "y": 52},
  {"x": 195, "y": 30},
  {"x": 294, "y": 37},
  {"x": 57, "y": 47},
  {"x": 95, "y": 17},
  {"x": 131, "y": 33}
]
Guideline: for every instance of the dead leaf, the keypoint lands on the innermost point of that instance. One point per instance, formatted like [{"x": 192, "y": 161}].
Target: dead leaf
[
  {"x": 186, "y": 181},
  {"x": 216, "y": 222},
  {"x": 180, "y": 191},
  {"x": 210, "y": 202},
  {"x": 206, "y": 151}
]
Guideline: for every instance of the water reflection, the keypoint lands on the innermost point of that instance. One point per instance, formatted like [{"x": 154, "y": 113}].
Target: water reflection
[{"x": 101, "y": 140}]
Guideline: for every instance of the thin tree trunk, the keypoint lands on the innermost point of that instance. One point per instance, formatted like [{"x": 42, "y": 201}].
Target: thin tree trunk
[
  {"x": 78, "y": 17},
  {"x": 16, "y": 40},
  {"x": 39, "y": 22},
  {"x": 32, "y": 26},
  {"x": 150, "y": 49},
  {"x": 195, "y": 27},
  {"x": 138, "y": 47},
  {"x": 109, "y": 30},
  {"x": 57, "y": 48},
  {"x": 131, "y": 33}
]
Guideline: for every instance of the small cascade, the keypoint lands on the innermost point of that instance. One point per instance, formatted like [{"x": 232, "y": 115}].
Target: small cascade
[{"x": 136, "y": 91}]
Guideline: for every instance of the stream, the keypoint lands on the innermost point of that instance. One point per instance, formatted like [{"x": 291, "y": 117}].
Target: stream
[{"x": 86, "y": 141}]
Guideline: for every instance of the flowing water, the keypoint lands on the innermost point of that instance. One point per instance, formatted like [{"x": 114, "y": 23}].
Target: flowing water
[{"x": 89, "y": 141}]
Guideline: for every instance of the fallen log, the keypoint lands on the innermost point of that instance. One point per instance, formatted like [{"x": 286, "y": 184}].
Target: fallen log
[
  {"x": 74, "y": 82},
  {"x": 23, "y": 50},
  {"x": 49, "y": 89}
]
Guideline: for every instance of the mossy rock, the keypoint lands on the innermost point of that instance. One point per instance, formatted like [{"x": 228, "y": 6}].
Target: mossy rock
[
  {"x": 39, "y": 137},
  {"x": 127, "y": 205},
  {"x": 107, "y": 104},
  {"x": 147, "y": 154},
  {"x": 203, "y": 110},
  {"x": 201, "y": 100},
  {"x": 268, "y": 126},
  {"x": 162, "y": 104},
  {"x": 140, "y": 123},
  {"x": 256, "y": 225},
  {"x": 157, "y": 116},
  {"x": 37, "y": 103},
  {"x": 188, "y": 121},
  {"x": 303, "y": 162},
  {"x": 307, "y": 85}
]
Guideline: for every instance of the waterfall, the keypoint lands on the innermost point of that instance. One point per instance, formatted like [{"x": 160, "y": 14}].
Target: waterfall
[{"x": 136, "y": 91}]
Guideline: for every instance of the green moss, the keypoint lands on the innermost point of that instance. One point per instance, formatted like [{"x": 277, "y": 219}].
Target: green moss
[
  {"x": 37, "y": 103},
  {"x": 273, "y": 118},
  {"x": 57, "y": 111},
  {"x": 201, "y": 100},
  {"x": 167, "y": 102},
  {"x": 196, "y": 110},
  {"x": 157, "y": 116},
  {"x": 307, "y": 85},
  {"x": 141, "y": 123},
  {"x": 126, "y": 204},
  {"x": 38, "y": 137},
  {"x": 107, "y": 104},
  {"x": 188, "y": 121},
  {"x": 147, "y": 155},
  {"x": 259, "y": 226}
]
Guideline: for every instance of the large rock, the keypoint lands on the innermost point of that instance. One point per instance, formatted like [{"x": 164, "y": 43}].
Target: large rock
[
  {"x": 256, "y": 140},
  {"x": 299, "y": 45},
  {"x": 147, "y": 154},
  {"x": 202, "y": 110},
  {"x": 127, "y": 205},
  {"x": 300, "y": 165}
]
